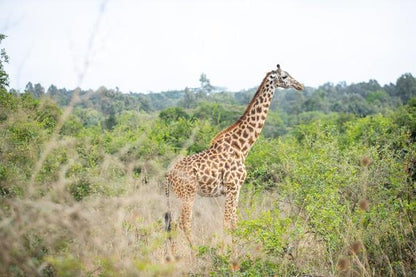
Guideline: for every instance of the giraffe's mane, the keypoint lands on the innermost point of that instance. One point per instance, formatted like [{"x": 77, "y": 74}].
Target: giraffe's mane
[{"x": 232, "y": 126}]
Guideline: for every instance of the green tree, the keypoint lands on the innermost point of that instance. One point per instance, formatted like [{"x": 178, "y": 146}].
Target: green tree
[
  {"x": 173, "y": 114},
  {"x": 145, "y": 103},
  {"x": 29, "y": 88},
  {"x": 110, "y": 121},
  {"x": 406, "y": 87},
  {"x": 316, "y": 102},
  {"x": 189, "y": 99},
  {"x": 39, "y": 91},
  {"x": 205, "y": 84},
  {"x": 52, "y": 90},
  {"x": 4, "y": 77}
]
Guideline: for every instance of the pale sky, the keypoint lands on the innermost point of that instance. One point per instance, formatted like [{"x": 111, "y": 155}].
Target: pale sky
[{"x": 156, "y": 45}]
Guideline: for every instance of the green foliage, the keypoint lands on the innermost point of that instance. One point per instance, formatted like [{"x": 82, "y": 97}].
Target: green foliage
[
  {"x": 268, "y": 229},
  {"x": 406, "y": 87},
  {"x": 72, "y": 126},
  {"x": 221, "y": 264},
  {"x": 406, "y": 118},
  {"x": 8, "y": 104},
  {"x": 173, "y": 114},
  {"x": 218, "y": 114},
  {"x": 203, "y": 137},
  {"x": 328, "y": 171},
  {"x": 80, "y": 190},
  {"x": 4, "y": 77},
  {"x": 65, "y": 265},
  {"x": 48, "y": 115},
  {"x": 21, "y": 136},
  {"x": 260, "y": 267},
  {"x": 334, "y": 166}
]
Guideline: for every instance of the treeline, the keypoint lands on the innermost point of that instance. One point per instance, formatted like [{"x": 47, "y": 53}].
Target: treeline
[
  {"x": 221, "y": 107},
  {"x": 361, "y": 98}
]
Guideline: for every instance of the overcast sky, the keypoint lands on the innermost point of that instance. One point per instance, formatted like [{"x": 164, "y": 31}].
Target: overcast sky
[{"x": 156, "y": 45}]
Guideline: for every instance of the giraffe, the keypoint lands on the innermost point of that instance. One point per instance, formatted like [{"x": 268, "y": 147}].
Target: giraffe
[{"x": 219, "y": 170}]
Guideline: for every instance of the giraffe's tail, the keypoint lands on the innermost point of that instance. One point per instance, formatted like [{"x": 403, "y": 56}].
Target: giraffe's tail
[
  {"x": 168, "y": 214},
  {"x": 168, "y": 225}
]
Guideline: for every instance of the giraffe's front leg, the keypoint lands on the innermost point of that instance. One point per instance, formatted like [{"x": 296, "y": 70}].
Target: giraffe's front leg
[
  {"x": 233, "y": 182},
  {"x": 231, "y": 203}
]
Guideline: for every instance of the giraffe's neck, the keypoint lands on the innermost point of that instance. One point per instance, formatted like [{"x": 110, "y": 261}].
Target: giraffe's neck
[{"x": 244, "y": 132}]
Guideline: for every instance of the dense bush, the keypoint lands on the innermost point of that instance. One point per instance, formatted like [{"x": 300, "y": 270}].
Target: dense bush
[{"x": 327, "y": 192}]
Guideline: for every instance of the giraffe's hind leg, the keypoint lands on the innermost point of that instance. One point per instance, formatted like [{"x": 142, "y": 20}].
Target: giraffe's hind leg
[
  {"x": 185, "y": 186},
  {"x": 170, "y": 244}
]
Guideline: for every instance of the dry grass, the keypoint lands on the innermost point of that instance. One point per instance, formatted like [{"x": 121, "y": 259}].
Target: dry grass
[
  {"x": 125, "y": 234},
  {"x": 122, "y": 234}
]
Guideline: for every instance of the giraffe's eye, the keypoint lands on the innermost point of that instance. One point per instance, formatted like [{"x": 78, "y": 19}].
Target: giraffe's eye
[{"x": 284, "y": 77}]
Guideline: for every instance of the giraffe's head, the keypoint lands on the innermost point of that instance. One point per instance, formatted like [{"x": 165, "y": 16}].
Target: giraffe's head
[{"x": 283, "y": 79}]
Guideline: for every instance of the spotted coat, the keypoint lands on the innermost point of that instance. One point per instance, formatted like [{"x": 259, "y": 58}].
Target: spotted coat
[{"x": 219, "y": 170}]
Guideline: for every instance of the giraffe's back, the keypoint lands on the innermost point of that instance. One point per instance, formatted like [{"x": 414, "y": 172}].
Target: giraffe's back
[{"x": 201, "y": 173}]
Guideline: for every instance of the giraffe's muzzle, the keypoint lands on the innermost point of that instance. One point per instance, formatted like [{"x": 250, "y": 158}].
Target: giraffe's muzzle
[{"x": 298, "y": 86}]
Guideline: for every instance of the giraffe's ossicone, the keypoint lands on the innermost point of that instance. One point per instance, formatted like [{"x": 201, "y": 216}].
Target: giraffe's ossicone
[{"x": 219, "y": 170}]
